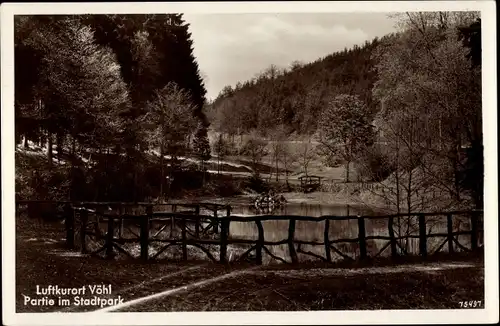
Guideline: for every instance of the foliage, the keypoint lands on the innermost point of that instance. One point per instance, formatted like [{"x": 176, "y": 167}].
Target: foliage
[
  {"x": 255, "y": 149},
  {"x": 428, "y": 87},
  {"x": 257, "y": 184},
  {"x": 374, "y": 165},
  {"x": 306, "y": 152},
  {"x": 201, "y": 145},
  {"x": 168, "y": 121},
  {"x": 279, "y": 149},
  {"x": 107, "y": 87},
  {"x": 345, "y": 128},
  {"x": 221, "y": 149},
  {"x": 471, "y": 38}
]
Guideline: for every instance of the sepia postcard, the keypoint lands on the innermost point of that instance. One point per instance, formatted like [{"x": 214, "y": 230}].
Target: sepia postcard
[{"x": 227, "y": 163}]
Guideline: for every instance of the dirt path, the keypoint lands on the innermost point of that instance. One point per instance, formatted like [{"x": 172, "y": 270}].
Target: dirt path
[
  {"x": 157, "y": 301},
  {"x": 188, "y": 287}
]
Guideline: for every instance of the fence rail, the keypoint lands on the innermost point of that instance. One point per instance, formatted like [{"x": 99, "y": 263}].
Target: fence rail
[{"x": 195, "y": 226}]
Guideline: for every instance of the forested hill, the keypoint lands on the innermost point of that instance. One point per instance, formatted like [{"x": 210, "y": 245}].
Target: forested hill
[{"x": 293, "y": 97}]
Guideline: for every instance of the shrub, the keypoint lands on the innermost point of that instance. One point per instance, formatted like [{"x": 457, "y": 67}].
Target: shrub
[
  {"x": 374, "y": 165},
  {"x": 257, "y": 184}
]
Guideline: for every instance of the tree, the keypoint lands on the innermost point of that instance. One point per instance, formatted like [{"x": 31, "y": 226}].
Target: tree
[
  {"x": 201, "y": 146},
  {"x": 428, "y": 89},
  {"x": 168, "y": 123},
  {"x": 472, "y": 173},
  {"x": 471, "y": 38},
  {"x": 77, "y": 94},
  {"x": 345, "y": 128},
  {"x": 306, "y": 153},
  {"x": 278, "y": 138},
  {"x": 80, "y": 77},
  {"x": 288, "y": 158},
  {"x": 221, "y": 150},
  {"x": 255, "y": 149}
]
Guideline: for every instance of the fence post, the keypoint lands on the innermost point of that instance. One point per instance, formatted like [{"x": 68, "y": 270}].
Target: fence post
[
  {"x": 69, "y": 218},
  {"x": 99, "y": 211},
  {"x": 362, "y": 237},
  {"x": 172, "y": 220},
  {"x": 224, "y": 233},
  {"x": 183, "y": 235},
  {"x": 216, "y": 224},
  {"x": 228, "y": 214},
  {"x": 473, "y": 231},
  {"x": 422, "y": 235},
  {"x": 291, "y": 235},
  {"x": 109, "y": 237},
  {"x": 260, "y": 242},
  {"x": 394, "y": 251},
  {"x": 449, "y": 224},
  {"x": 145, "y": 233},
  {"x": 120, "y": 214},
  {"x": 84, "y": 216},
  {"x": 326, "y": 237},
  {"x": 197, "y": 222}
]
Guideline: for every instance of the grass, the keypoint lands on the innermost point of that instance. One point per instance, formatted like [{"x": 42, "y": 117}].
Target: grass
[{"x": 275, "y": 291}]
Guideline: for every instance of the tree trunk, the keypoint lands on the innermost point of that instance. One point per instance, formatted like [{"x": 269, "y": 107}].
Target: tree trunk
[
  {"x": 135, "y": 184},
  {"x": 73, "y": 150},
  {"x": 277, "y": 170},
  {"x": 408, "y": 193},
  {"x": 169, "y": 183},
  {"x": 347, "y": 172},
  {"x": 49, "y": 148},
  {"x": 162, "y": 176},
  {"x": 203, "y": 170},
  {"x": 408, "y": 202},
  {"x": 72, "y": 171},
  {"x": 456, "y": 173},
  {"x": 398, "y": 196},
  {"x": 59, "y": 142},
  {"x": 106, "y": 189},
  {"x": 440, "y": 134}
]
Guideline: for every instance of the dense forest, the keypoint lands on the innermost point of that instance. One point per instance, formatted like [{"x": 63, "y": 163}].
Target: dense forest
[
  {"x": 105, "y": 90},
  {"x": 295, "y": 96}
]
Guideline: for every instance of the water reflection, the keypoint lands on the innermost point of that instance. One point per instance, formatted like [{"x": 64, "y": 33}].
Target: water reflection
[
  {"x": 277, "y": 230},
  {"x": 304, "y": 209}
]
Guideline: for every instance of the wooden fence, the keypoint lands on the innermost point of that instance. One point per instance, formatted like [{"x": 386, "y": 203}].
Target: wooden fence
[
  {"x": 203, "y": 225},
  {"x": 310, "y": 183}
]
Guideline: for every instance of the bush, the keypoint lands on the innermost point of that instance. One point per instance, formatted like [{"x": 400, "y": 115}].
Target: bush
[
  {"x": 257, "y": 184},
  {"x": 39, "y": 181},
  {"x": 374, "y": 166},
  {"x": 224, "y": 186}
]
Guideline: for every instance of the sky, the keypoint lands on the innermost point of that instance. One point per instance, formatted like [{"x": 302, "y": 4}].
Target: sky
[{"x": 235, "y": 47}]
